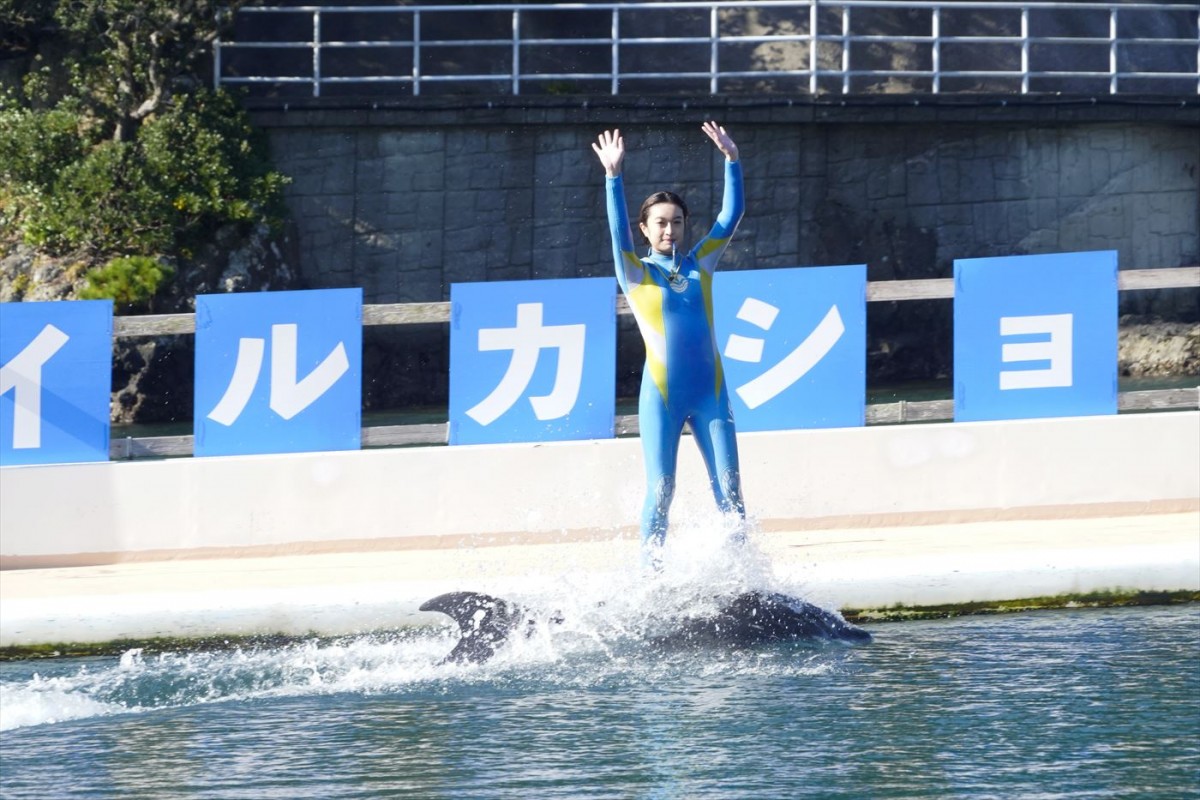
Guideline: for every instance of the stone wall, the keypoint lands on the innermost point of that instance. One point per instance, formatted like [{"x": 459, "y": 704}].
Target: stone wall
[{"x": 406, "y": 201}]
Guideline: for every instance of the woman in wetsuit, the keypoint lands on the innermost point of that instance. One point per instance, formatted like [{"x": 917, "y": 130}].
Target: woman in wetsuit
[{"x": 670, "y": 293}]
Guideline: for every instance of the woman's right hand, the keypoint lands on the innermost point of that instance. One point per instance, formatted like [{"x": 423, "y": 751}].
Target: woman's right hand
[{"x": 610, "y": 148}]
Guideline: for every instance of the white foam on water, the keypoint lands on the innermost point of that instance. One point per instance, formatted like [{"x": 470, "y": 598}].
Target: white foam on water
[
  {"x": 42, "y": 701},
  {"x": 601, "y": 622},
  {"x": 701, "y": 564},
  {"x": 606, "y": 618},
  {"x": 139, "y": 683}
]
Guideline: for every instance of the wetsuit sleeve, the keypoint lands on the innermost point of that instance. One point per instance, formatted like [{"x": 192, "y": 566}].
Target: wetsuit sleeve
[
  {"x": 628, "y": 265},
  {"x": 733, "y": 206}
]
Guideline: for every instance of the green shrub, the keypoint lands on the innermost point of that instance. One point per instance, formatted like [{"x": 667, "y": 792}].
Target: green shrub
[
  {"x": 35, "y": 147},
  {"x": 104, "y": 204},
  {"x": 130, "y": 282},
  {"x": 188, "y": 171},
  {"x": 210, "y": 164}
]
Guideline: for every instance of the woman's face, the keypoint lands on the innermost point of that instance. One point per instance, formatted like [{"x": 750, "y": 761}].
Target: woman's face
[{"x": 663, "y": 227}]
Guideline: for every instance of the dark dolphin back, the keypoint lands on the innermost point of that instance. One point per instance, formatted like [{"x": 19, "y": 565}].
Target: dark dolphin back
[
  {"x": 786, "y": 618},
  {"x": 485, "y": 623},
  {"x": 751, "y": 618},
  {"x": 762, "y": 617}
]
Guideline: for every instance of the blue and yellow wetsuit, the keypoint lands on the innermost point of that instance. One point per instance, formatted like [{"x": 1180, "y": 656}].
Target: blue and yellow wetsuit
[{"x": 682, "y": 381}]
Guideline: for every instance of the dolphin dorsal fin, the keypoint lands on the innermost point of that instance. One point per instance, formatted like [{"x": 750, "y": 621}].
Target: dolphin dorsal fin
[{"x": 484, "y": 623}]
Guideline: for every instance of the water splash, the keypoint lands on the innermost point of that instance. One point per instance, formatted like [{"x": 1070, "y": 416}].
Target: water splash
[
  {"x": 702, "y": 563},
  {"x": 41, "y": 701},
  {"x": 138, "y": 683},
  {"x": 605, "y": 620}
]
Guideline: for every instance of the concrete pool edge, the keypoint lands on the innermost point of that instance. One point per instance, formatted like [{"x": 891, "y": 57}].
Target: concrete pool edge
[
  {"x": 936, "y": 515},
  {"x": 871, "y": 573}
]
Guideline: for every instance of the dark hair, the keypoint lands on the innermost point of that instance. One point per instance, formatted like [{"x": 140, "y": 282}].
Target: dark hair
[{"x": 661, "y": 197}]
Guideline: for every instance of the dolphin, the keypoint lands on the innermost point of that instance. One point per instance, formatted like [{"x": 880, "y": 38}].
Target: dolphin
[
  {"x": 757, "y": 617},
  {"x": 485, "y": 623}
]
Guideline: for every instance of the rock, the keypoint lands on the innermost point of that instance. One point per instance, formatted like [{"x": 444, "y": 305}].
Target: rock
[
  {"x": 27, "y": 275},
  {"x": 256, "y": 262},
  {"x": 153, "y": 379},
  {"x": 1158, "y": 349}
]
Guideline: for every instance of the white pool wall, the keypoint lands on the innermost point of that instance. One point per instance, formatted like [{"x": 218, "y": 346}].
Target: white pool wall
[{"x": 433, "y": 496}]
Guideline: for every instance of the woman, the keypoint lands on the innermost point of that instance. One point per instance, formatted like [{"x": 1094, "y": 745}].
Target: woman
[{"x": 670, "y": 292}]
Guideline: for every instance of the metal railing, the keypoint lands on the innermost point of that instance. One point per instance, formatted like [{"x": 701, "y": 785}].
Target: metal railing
[{"x": 813, "y": 46}]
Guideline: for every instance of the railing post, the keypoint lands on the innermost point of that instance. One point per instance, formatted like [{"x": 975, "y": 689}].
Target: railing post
[
  {"x": 936, "y": 32},
  {"x": 713, "y": 30},
  {"x": 845, "y": 49},
  {"x": 1112, "y": 51},
  {"x": 516, "y": 51},
  {"x": 216, "y": 63},
  {"x": 1025, "y": 50},
  {"x": 316, "y": 54},
  {"x": 812, "y": 47},
  {"x": 217, "y": 51},
  {"x": 416, "y": 67},
  {"x": 615, "y": 66}
]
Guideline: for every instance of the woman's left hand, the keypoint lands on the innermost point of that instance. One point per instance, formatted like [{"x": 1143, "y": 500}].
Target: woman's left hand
[{"x": 721, "y": 139}]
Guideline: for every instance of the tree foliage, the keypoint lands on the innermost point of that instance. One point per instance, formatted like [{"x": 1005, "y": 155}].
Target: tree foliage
[
  {"x": 112, "y": 146},
  {"x": 123, "y": 60},
  {"x": 134, "y": 55}
]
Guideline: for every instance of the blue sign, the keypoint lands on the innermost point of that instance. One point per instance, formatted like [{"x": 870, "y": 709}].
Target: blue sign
[
  {"x": 278, "y": 372},
  {"x": 793, "y": 343},
  {"x": 532, "y": 360},
  {"x": 1035, "y": 336},
  {"x": 55, "y": 381}
]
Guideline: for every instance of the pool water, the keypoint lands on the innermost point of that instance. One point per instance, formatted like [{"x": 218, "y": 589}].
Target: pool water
[{"x": 1051, "y": 704}]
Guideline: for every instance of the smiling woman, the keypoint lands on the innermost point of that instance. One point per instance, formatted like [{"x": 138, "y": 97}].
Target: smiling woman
[
  {"x": 670, "y": 293},
  {"x": 662, "y": 221}
]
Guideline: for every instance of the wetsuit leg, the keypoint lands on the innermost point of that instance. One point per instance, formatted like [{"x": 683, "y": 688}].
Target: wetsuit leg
[
  {"x": 716, "y": 437},
  {"x": 660, "y": 432}
]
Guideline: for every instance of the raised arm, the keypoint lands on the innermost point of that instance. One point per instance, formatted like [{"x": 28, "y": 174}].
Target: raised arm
[
  {"x": 610, "y": 149},
  {"x": 733, "y": 201},
  {"x": 721, "y": 139}
]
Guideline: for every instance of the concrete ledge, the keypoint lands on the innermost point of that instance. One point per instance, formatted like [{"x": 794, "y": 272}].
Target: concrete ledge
[
  {"x": 323, "y": 502},
  {"x": 345, "y": 593},
  {"x": 628, "y": 532},
  {"x": 607, "y": 110}
]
